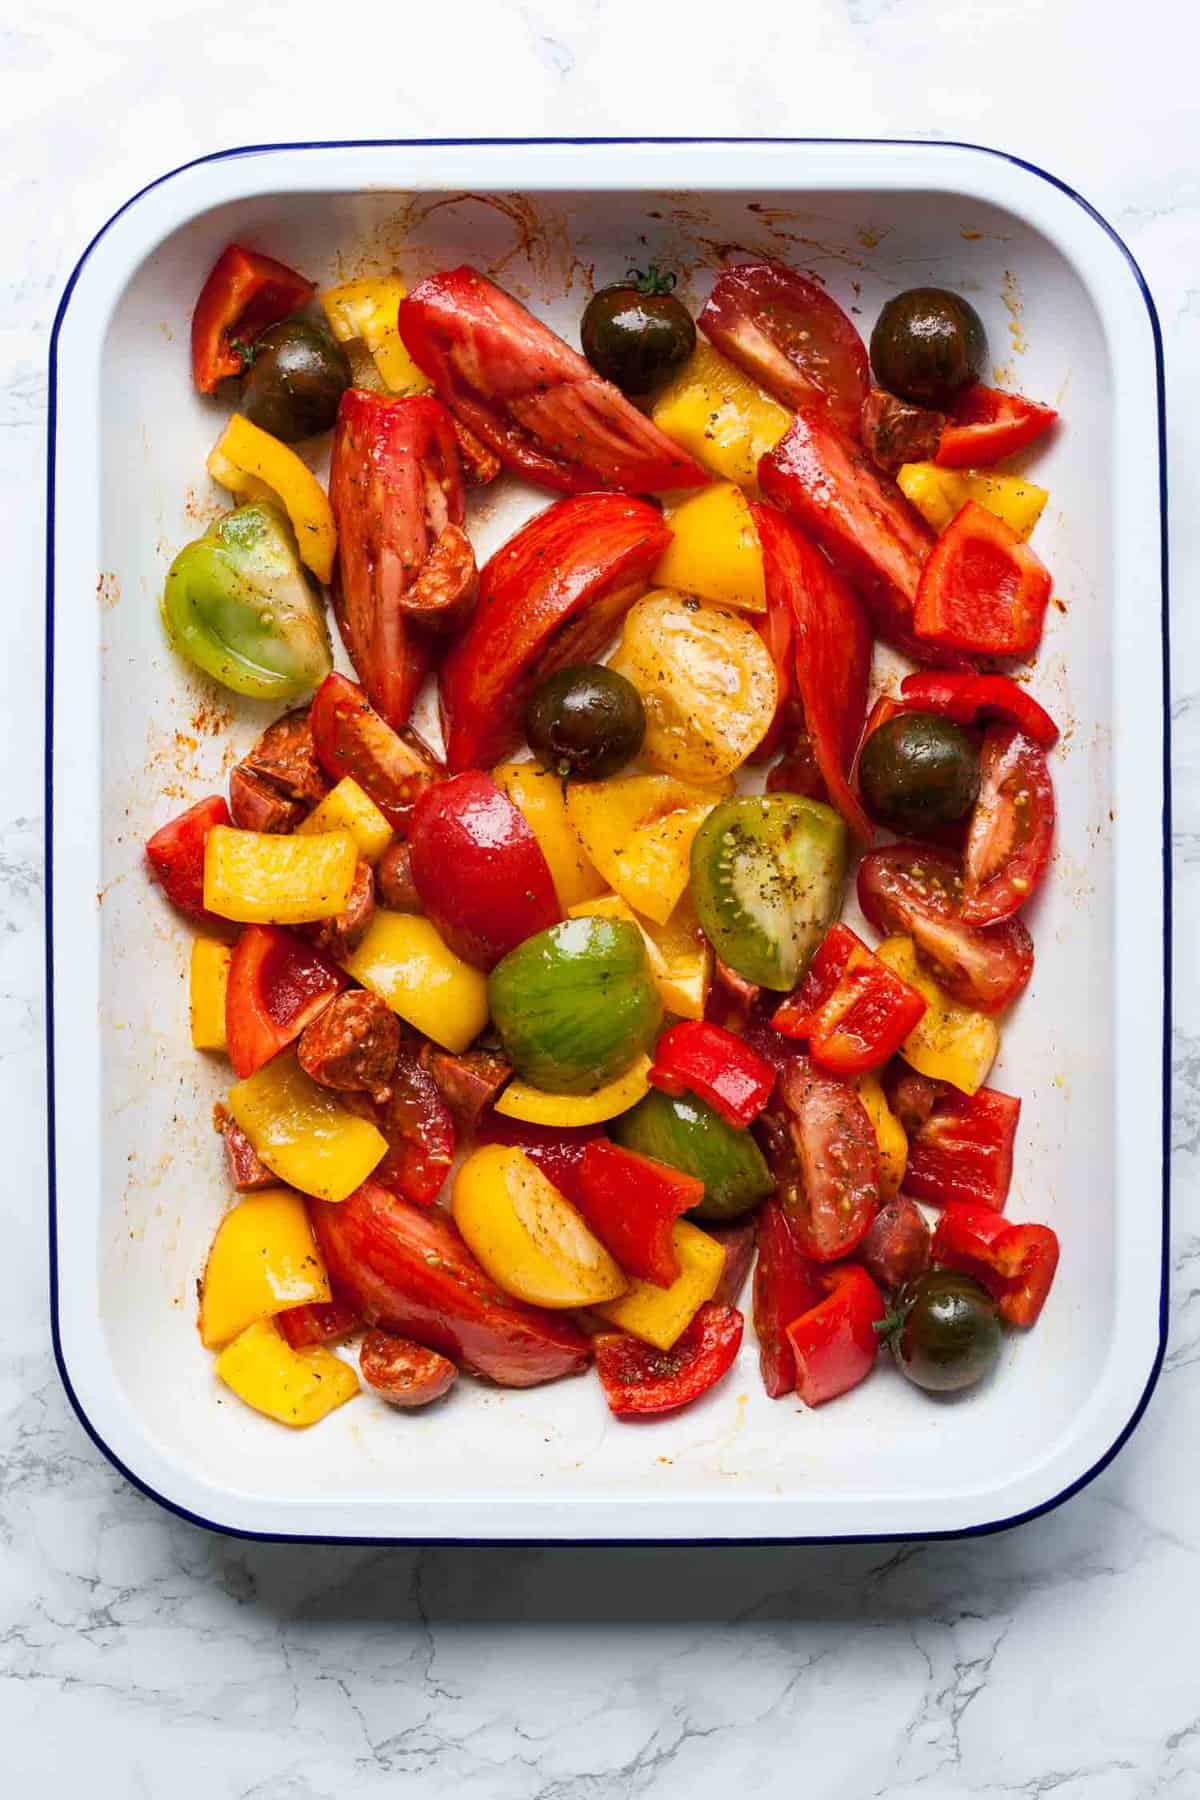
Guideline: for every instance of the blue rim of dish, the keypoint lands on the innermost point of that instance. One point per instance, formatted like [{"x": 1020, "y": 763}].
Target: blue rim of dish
[{"x": 782, "y": 1539}]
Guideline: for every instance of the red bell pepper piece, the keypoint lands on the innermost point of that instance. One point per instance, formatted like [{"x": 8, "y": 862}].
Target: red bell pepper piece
[
  {"x": 854, "y": 1010},
  {"x": 557, "y": 1150},
  {"x": 719, "y": 1067},
  {"x": 981, "y": 590},
  {"x": 403, "y": 1373},
  {"x": 352, "y": 739},
  {"x": 897, "y": 1247},
  {"x": 1012, "y": 827},
  {"x": 787, "y": 1283},
  {"x": 964, "y": 1150},
  {"x": 827, "y": 484},
  {"x": 278, "y": 983},
  {"x": 419, "y": 1128},
  {"x": 631, "y": 1203},
  {"x": 790, "y": 336},
  {"x": 530, "y": 397},
  {"x": 396, "y": 488},
  {"x": 244, "y": 294},
  {"x": 642, "y": 1382},
  {"x": 835, "y": 1344},
  {"x": 824, "y": 1155},
  {"x": 1015, "y": 1263},
  {"x": 913, "y": 889},
  {"x": 318, "y": 1322},
  {"x": 967, "y": 698},
  {"x": 407, "y": 1270},
  {"x": 738, "y": 1242},
  {"x": 479, "y": 870},
  {"x": 552, "y": 595},
  {"x": 831, "y": 646},
  {"x": 985, "y": 424},
  {"x": 176, "y": 856}
]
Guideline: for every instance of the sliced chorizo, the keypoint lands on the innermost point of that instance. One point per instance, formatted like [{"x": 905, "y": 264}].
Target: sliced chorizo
[
  {"x": 352, "y": 1044},
  {"x": 402, "y": 1372}
]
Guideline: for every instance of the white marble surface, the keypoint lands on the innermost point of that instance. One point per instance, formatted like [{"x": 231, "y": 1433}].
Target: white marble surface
[{"x": 140, "y": 1657}]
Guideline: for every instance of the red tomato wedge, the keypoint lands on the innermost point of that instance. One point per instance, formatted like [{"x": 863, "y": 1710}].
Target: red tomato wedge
[
  {"x": 913, "y": 889},
  {"x": 530, "y": 397},
  {"x": 1015, "y": 1263},
  {"x": 854, "y": 1011},
  {"x": 318, "y": 1322},
  {"x": 641, "y": 1382},
  {"x": 823, "y": 1153},
  {"x": 176, "y": 856},
  {"x": 278, "y": 983},
  {"x": 396, "y": 488},
  {"x": 836, "y": 1344},
  {"x": 407, "y": 1270},
  {"x": 479, "y": 870},
  {"x": 968, "y": 698},
  {"x": 791, "y": 336},
  {"x": 982, "y": 589},
  {"x": 964, "y": 1149},
  {"x": 827, "y": 484},
  {"x": 558, "y": 1151},
  {"x": 786, "y": 1284},
  {"x": 631, "y": 1203},
  {"x": 1012, "y": 827},
  {"x": 552, "y": 595},
  {"x": 352, "y": 739},
  {"x": 985, "y": 424},
  {"x": 417, "y": 1122},
  {"x": 244, "y": 294},
  {"x": 831, "y": 647}
]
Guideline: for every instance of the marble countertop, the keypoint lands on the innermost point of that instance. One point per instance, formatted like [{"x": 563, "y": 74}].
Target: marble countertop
[{"x": 143, "y": 1657}]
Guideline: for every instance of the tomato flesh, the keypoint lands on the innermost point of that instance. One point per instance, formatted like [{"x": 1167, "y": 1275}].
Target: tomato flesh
[
  {"x": 786, "y": 1284},
  {"x": 1012, "y": 827},
  {"x": 823, "y": 1152},
  {"x": 350, "y": 738},
  {"x": 789, "y": 335}
]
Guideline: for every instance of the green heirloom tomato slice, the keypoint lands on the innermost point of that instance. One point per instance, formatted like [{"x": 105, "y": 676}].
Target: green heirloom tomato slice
[
  {"x": 767, "y": 878},
  {"x": 689, "y": 1135},
  {"x": 576, "y": 1004},
  {"x": 238, "y": 604}
]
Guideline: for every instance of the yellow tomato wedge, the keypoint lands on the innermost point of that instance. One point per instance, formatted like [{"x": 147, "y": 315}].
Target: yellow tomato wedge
[
  {"x": 531, "y": 1240},
  {"x": 404, "y": 959},
  {"x": 659, "y": 1315},
  {"x": 296, "y": 1387},
  {"x": 938, "y": 494},
  {"x": 537, "y": 794},
  {"x": 637, "y": 830},
  {"x": 347, "y": 808},
  {"x": 707, "y": 682},
  {"x": 714, "y": 552},
  {"x": 890, "y": 1135},
  {"x": 303, "y": 1132},
  {"x": 263, "y": 1260},
  {"x": 256, "y": 466},
  {"x": 365, "y": 311},
  {"x": 208, "y": 978},
  {"x": 950, "y": 1042},
  {"x": 521, "y": 1101},
  {"x": 259, "y": 878},
  {"x": 722, "y": 417}
]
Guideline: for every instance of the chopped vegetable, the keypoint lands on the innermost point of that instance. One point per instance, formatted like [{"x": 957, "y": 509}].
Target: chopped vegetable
[
  {"x": 557, "y": 1151},
  {"x": 791, "y": 335},
  {"x": 714, "y": 550},
  {"x": 366, "y": 311},
  {"x": 897, "y": 433},
  {"x": 981, "y": 589},
  {"x": 277, "y": 984},
  {"x": 347, "y": 808},
  {"x": 660, "y": 1315},
  {"x": 520, "y": 1100},
  {"x": 419, "y": 1126},
  {"x": 262, "y": 1260},
  {"x": 939, "y": 494},
  {"x": 295, "y": 379},
  {"x": 538, "y": 794},
  {"x": 208, "y": 976},
  {"x": 689, "y": 1135},
  {"x": 1015, "y": 1263},
  {"x": 787, "y": 1284},
  {"x": 985, "y": 425},
  {"x": 318, "y": 1322},
  {"x": 720, "y": 417},
  {"x": 528, "y": 1238},
  {"x": 1012, "y": 828},
  {"x": 825, "y": 1160},
  {"x": 852, "y": 1008},
  {"x": 890, "y": 1136},
  {"x": 403, "y": 1373},
  {"x": 244, "y": 293},
  {"x": 928, "y": 345},
  {"x": 637, "y": 831},
  {"x": 715, "y": 1065},
  {"x": 254, "y": 877},
  {"x": 969, "y": 698},
  {"x": 635, "y": 333},
  {"x": 255, "y": 466},
  {"x": 835, "y": 1344},
  {"x": 585, "y": 723},
  {"x": 632, "y": 1202},
  {"x": 918, "y": 772},
  {"x": 405, "y": 960},
  {"x": 176, "y": 854},
  {"x": 641, "y": 1382},
  {"x": 297, "y": 1387},
  {"x": 350, "y": 738},
  {"x": 948, "y": 1337},
  {"x": 950, "y": 1042},
  {"x": 679, "y": 955},
  {"x": 303, "y": 1133},
  {"x": 964, "y": 1150}
]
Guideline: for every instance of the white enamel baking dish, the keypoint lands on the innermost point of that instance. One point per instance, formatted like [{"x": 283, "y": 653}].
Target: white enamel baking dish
[{"x": 136, "y": 1178}]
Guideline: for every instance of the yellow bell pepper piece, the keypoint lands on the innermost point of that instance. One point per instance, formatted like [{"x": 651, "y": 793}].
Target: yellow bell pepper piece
[
  {"x": 521, "y": 1101},
  {"x": 263, "y": 1259},
  {"x": 637, "y": 830},
  {"x": 722, "y": 417},
  {"x": 303, "y": 1132},
  {"x": 297, "y": 1387},
  {"x": 259, "y": 878},
  {"x": 938, "y": 494},
  {"x": 659, "y": 1315},
  {"x": 367, "y": 310},
  {"x": 715, "y": 552},
  {"x": 256, "y": 466},
  {"x": 347, "y": 808},
  {"x": 404, "y": 959},
  {"x": 208, "y": 977},
  {"x": 679, "y": 955},
  {"x": 890, "y": 1135},
  {"x": 949, "y": 1042},
  {"x": 531, "y": 1241},
  {"x": 537, "y": 793}
]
